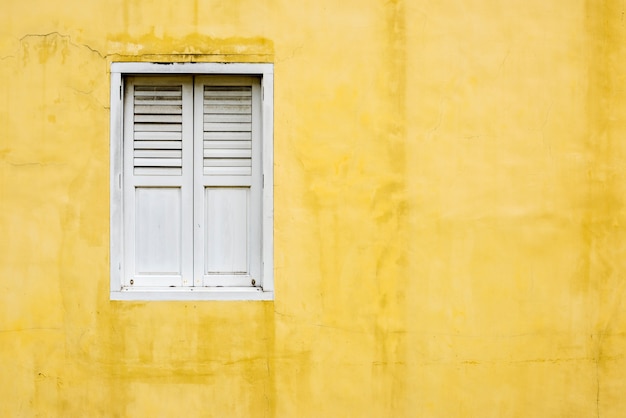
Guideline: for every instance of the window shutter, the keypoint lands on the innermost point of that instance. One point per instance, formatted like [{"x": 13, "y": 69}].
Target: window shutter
[
  {"x": 158, "y": 175},
  {"x": 227, "y": 127},
  {"x": 228, "y": 181},
  {"x": 157, "y": 135}
]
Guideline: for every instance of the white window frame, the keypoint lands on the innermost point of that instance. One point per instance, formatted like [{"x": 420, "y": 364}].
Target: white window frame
[{"x": 263, "y": 290}]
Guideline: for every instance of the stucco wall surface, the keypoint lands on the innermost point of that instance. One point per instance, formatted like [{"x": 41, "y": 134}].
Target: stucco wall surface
[{"x": 449, "y": 213}]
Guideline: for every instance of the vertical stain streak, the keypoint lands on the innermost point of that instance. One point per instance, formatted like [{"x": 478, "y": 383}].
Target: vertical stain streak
[
  {"x": 390, "y": 324},
  {"x": 603, "y": 285},
  {"x": 270, "y": 349}
]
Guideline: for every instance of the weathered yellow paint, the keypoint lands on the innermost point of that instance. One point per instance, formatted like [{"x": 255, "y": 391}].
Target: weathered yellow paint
[{"x": 449, "y": 213}]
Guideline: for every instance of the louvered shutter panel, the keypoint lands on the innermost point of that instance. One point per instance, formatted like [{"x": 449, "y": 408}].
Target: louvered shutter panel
[
  {"x": 227, "y": 127},
  {"x": 228, "y": 181},
  {"x": 158, "y": 181},
  {"x": 158, "y": 121}
]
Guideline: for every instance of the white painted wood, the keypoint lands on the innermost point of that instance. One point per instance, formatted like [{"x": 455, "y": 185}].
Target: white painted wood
[
  {"x": 227, "y": 127},
  {"x": 256, "y": 195},
  {"x": 228, "y": 180},
  {"x": 158, "y": 191},
  {"x": 227, "y": 162},
  {"x": 157, "y": 110},
  {"x": 214, "y": 153},
  {"x": 164, "y": 181},
  {"x": 268, "y": 179},
  {"x": 225, "y": 99},
  {"x": 158, "y": 101},
  {"x": 162, "y": 153},
  {"x": 224, "y": 110},
  {"x": 149, "y": 92},
  {"x": 231, "y": 136},
  {"x": 224, "y": 219},
  {"x": 227, "y": 144},
  {"x": 157, "y": 162},
  {"x": 158, "y": 171},
  {"x": 227, "y": 91},
  {"x": 155, "y": 118},
  {"x": 158, "y": 231},
  {"x": 158, "y": 136},
  {"x": 116, "y": 218},
  {"x": 160, "y": 145},
  {"x": 226, "y": 230},
  {"x": 159, "y": 293},
  {"x": 154, "y": 127},
  {"x": 227, "y": 171},
  {"x": 220, "y": 126},
  {"x": 222, "y": 117},
  {"x": 259, "y": 69}
]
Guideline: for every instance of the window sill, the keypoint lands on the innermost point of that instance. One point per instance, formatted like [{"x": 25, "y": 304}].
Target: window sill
[{"x": 191, "y": 293}]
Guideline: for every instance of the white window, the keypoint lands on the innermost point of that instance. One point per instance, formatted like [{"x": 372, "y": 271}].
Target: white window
[{"x": 191, "y": 181}]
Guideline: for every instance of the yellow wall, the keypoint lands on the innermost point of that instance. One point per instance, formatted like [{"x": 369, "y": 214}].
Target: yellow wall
[{"x": 449, "y": 213}]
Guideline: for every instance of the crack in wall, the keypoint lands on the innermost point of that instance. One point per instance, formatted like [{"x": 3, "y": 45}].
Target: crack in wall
[
  {"x": 31, "y": 163},
  {"x": 166, "y": 56},
  {"x": 63, "y": 36}
]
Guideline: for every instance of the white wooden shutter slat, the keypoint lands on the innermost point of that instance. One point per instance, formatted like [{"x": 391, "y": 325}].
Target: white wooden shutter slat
[
  {"x": 227, "y": 127},
  {"x": 158, "y": 171},
  {"x": 164, "y": 109},
  {"x": 227, "y": 162},
  {"x": 212, "y": 92},
  {"x": 225, "y": 97},
  {"x": 147, "y": 101},
  {"x": 154, "y": 118},
  {"x": 222, "y": 108},
  {"x": 158, "y": 145},
  {"x": 157, "y": 162},
  {"x": 157, "y": 130},
  {"x": 226, "y": 117},
  {"x": 156, "y": 136},
  {"x": 227, "y": 171},
  {"x": 235, "y": 136},
  {"x": 150, "y": 153},
  {"x": 227, "y": 144},
  {"x": 227, "y": 101},
  {"x": 158, "y": 127},
  {"x": 161, "y": 92},
  {"x": 227, "y": 153}
]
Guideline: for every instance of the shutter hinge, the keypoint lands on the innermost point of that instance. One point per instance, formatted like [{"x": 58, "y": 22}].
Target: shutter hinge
[{"x": 120, "y": 92}]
